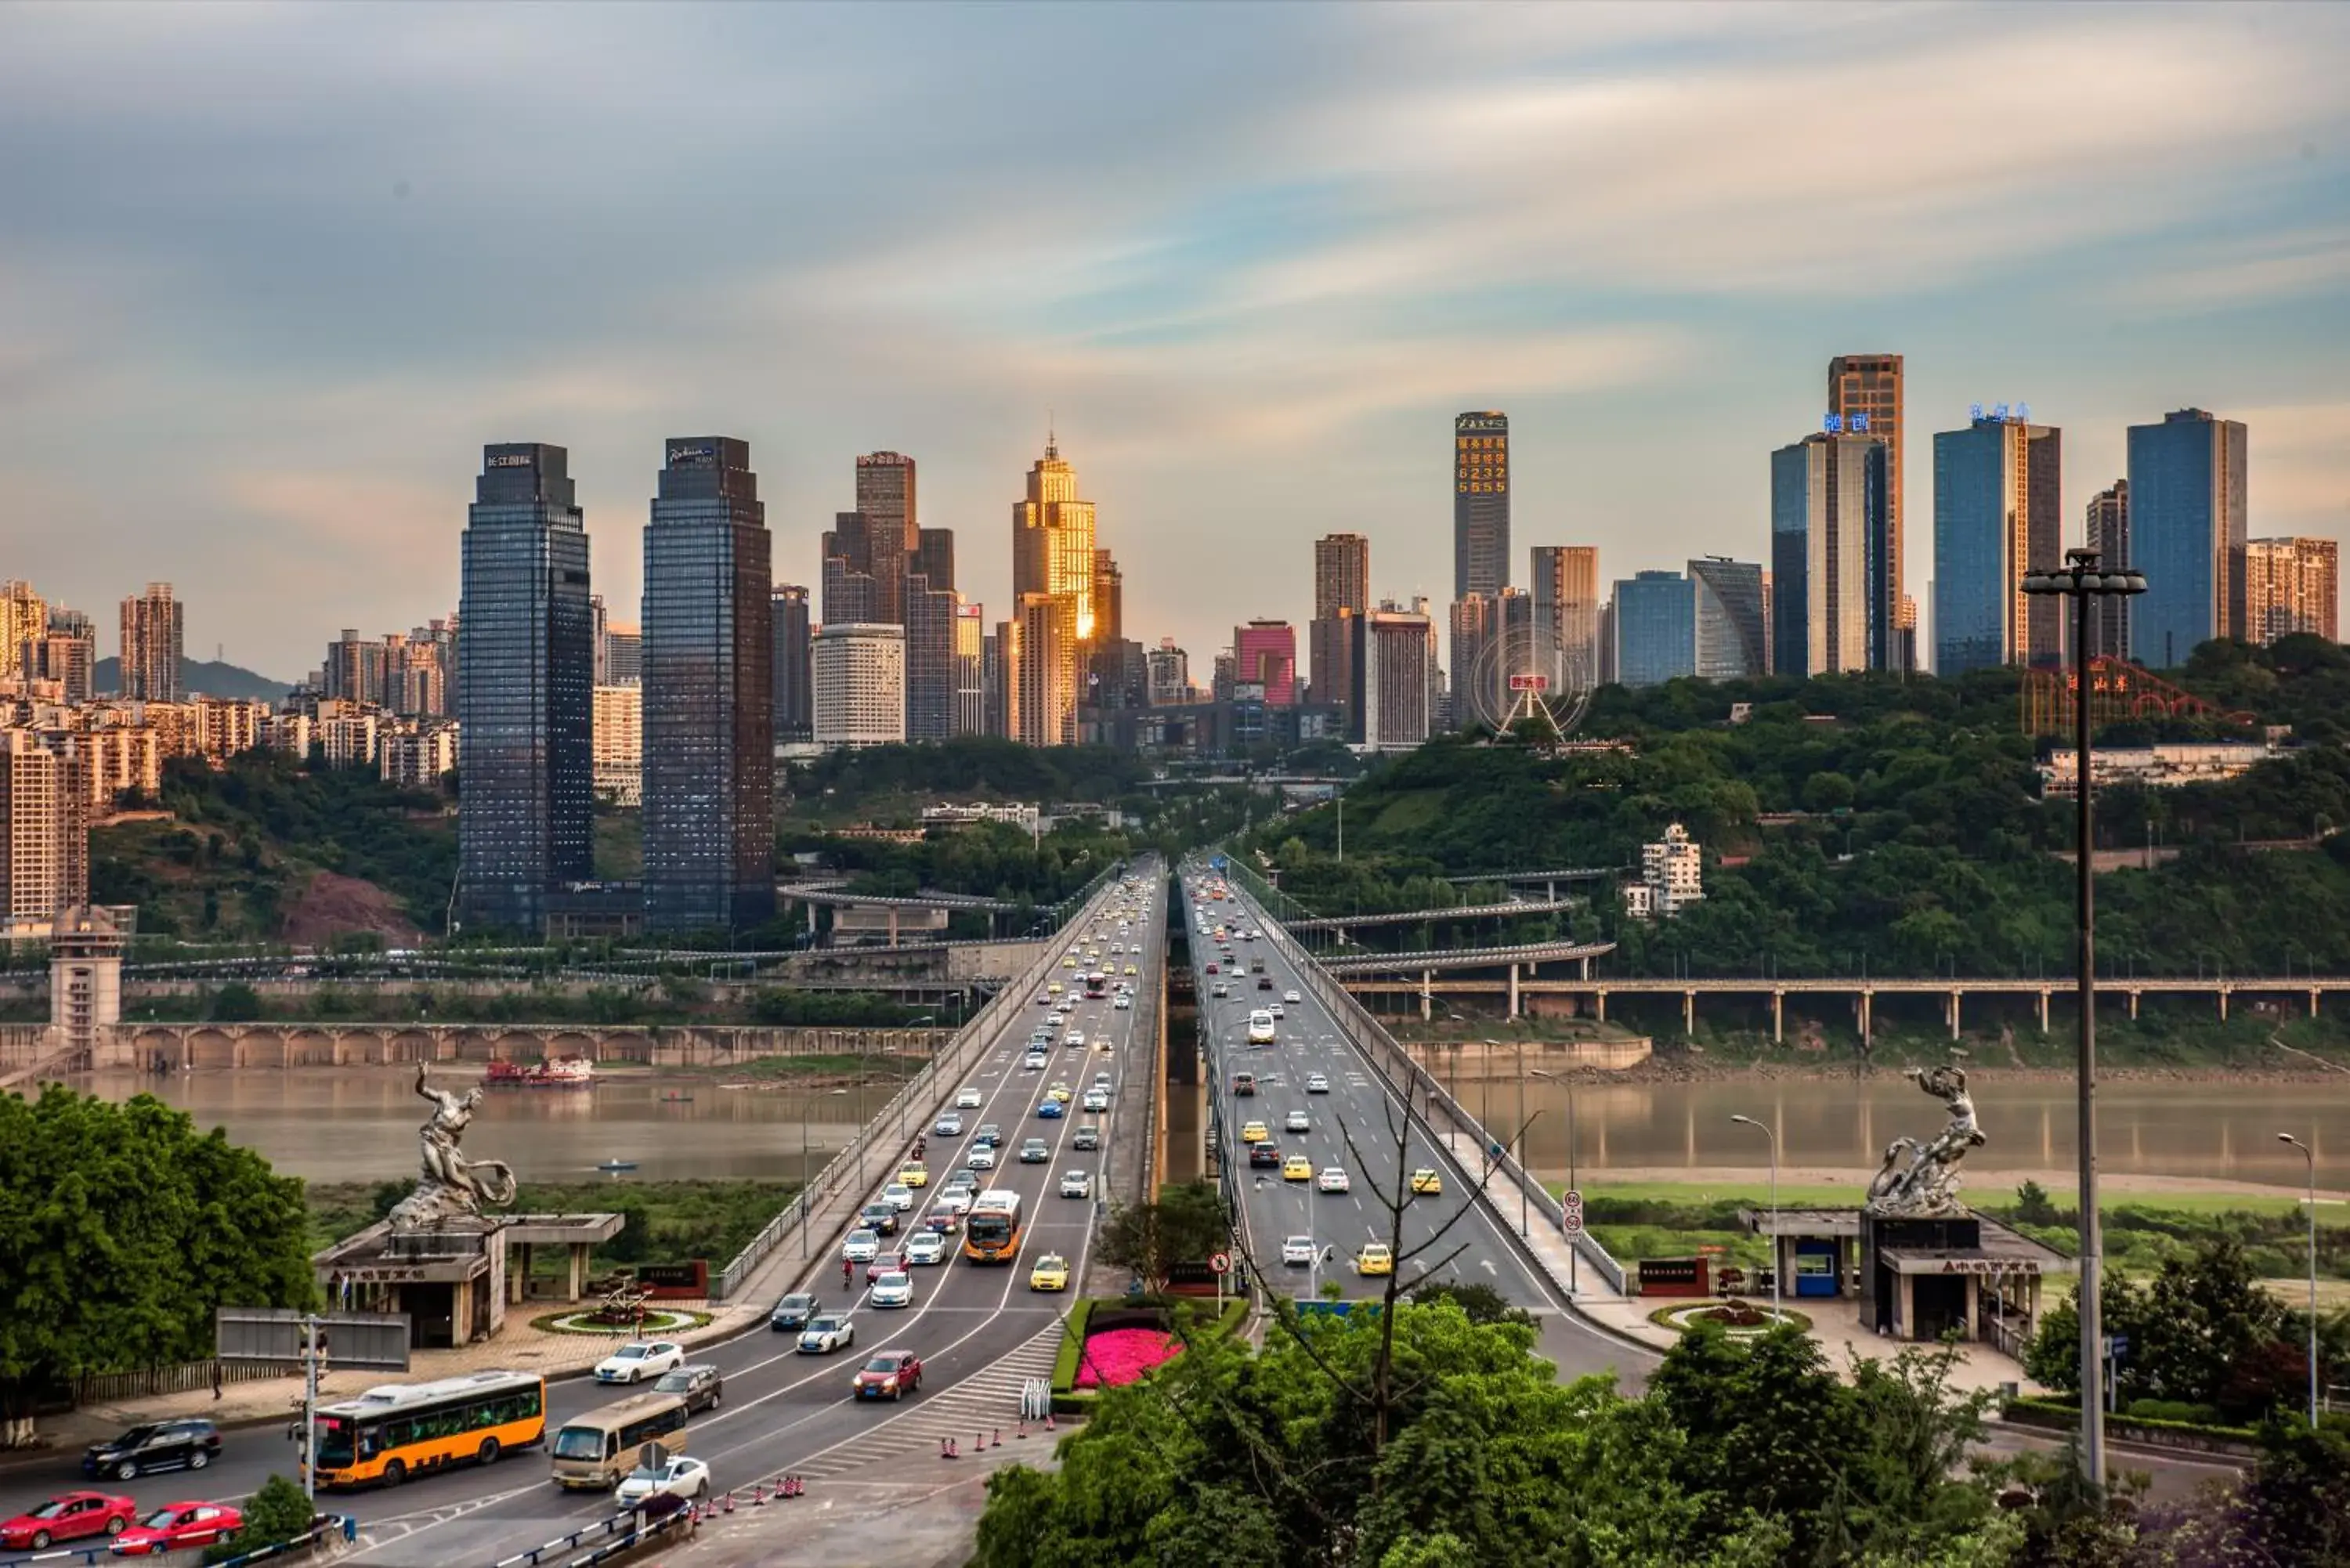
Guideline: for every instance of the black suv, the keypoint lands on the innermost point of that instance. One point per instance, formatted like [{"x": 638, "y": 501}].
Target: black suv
[
  {"x": 699, "y": 1386},
  {"x": 159, "y": 1446},
  {"x": 1265, "y": 1153},
  {"x": 792, "y": 1313}
]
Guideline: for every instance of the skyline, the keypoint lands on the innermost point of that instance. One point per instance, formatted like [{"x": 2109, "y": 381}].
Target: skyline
[{"x": 283, "y": 322}]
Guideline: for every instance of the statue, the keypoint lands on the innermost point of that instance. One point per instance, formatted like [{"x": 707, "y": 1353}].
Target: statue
[
  {"x": 454, "y": 1189},
  {"x": 1922, "y": 1180}
]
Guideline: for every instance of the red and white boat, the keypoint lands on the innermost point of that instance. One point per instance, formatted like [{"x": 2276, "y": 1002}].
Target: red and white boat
[{"x": 560, "y": 1072}]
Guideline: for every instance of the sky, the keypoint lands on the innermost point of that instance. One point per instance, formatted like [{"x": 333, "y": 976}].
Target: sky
[{"x": 270, "y": 276}]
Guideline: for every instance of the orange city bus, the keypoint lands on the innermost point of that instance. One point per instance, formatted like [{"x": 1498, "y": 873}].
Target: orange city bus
[
  {"x": 991, "y": 1231},
  {"x": 402, "y": 1429}
]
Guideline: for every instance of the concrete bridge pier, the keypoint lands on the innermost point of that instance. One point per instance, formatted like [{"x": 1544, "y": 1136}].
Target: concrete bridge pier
[
  {"x": 1600, "y": 1003},
  {"x": 2312, "y": 1003},
  {"x": 2044, "y": 1009},
  {"x": 1778, "y": 1018},
  {"x": 1868, "y": 1018},
  {"x": 1426, "y": 994},
  {"x": 2133, "y": 996},
  {"x": 1513, "y": 991},
  {"x": 1688, "y": 1013},
  {"x": 2223, "y": 1005},
  {"x": 1954, "y": 1014}
]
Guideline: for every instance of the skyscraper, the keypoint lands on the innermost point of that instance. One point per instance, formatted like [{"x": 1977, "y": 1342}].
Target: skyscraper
[
  {"x": 524, "y": 690},
  {"x": 1827, "y": 505},
  {"x": 151, "y": 645},
  {"x": 1481, "y": 505},
  {"x": 44, "y": 804},
  {"x": 858, "y": 675},
  {"x": 624, "y": 655},
  {"x": 930, "y": 605},
  {"x": 970, "y": 668},
  {"x": 2291, "y": 585},
  {"x": 1051, "y": 558},
  {"x": 1387, "y": 708},
  {"x": 1171, "y": 674},
  {"x": 1342, "y": 595},
  {"x": 709, "y": 694},
  {"x": 23, "y": 620},
  {"x": 2188, "y": 524},
  {"x": 789, "y": 608},
  {"x": 1732, "y": 633},
  {"x": 1050, "y": 667},
  {"x": 1108, "y": 597},
  {"x": 867, "y": 552},
  {"x": 1264, "y": 653},
  {"x": 2107, "y": 533},
  {"x": 1656, "y": 627},
  {"x": 1996, "y": 492},
  {"x": 599, "y": 626},
  {"x": 1865, "y": 398},
  {"x": 1566, "y": 584},
  {"x": 1476, "y": 621}
]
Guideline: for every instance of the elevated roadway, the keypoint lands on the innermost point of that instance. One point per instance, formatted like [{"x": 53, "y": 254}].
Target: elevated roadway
[{"x": 1456, "y": 912}]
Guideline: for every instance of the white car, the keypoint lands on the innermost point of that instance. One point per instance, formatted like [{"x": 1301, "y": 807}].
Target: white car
[
  {"x": 899, "y": 1196},
  {"x": 968, "y": 1100},
  {"x": 1297, "y": 1121},
  {"x": 862, "y": 1247},
  {"x": 948, "y": 1126},
  {"x": 825, "y": 1332},
  {"x": 1076, "y": 1184},
  {"x": 981, "y": 1158},
  {"x": 675, "y": 1477},
  {"x": 1096, "y": 1099},
  {"x": 928, "y": 1248},
  {"x": 1316, "y": 1083},
  {"x": 640, "y": 1359},
  {"x": 1292, "y": 998},
  {"x": 894, "y": 1289},
  {"x": 1124, "y": 1004},
  {"x": 1274, "y": 1008},
  {"x": 954, "y": 1200},
  {"x": 1260, "y": 1028},
  {"x": 1332, "y": 1180},
  {"x": 1076, "y": 1037},
  {"x": 1033, "y": 1062},
  {"x": 1297, "y": 1251}
]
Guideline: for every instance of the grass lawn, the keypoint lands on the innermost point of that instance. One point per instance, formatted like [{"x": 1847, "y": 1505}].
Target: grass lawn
[{"x": 1757, "y": 1194}]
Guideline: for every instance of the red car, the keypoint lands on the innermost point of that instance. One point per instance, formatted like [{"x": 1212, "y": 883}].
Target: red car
[
  {"x": 176, "y": 1526},
  {"x": 68, "y": 1518},
  {"x": 891, "y": 1375},
  {"x": 886, "y": 1263},
  {"x": 1211, "y": 969}
]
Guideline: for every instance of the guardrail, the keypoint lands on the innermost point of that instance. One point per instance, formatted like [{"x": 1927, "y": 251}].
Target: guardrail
[
  {"x": 327, "y": 1527},
  {"x": 632, "y": 1530}
]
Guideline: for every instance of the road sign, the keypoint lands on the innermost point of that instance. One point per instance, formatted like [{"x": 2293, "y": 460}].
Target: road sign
[
  {"x": 375, "y": 1340},
  {"x": 2116, "y": 1347},
  {"x": 1222, "y": 1263},
  {"x": 1572, "y": 1213}
]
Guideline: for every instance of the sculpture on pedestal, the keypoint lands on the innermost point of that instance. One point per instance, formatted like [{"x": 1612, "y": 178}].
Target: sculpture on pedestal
[
  {"x": 455, "y": 1188},
  {"x": 1923, "y": 1181}
]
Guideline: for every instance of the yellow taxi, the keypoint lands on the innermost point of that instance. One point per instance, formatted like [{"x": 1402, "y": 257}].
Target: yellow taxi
[
  {"x": 1131, "y": 969},
  {"x": 1426, "y": 1180},
  {"x": 1058, "y": 1091},
  {"x": 1051, "y": 1273},
  {"x": 1297, "y": 1167},
  {"x": 1053, "y": 989},
  {"x": 914, "y": 1173},
  {"x": 1255, "y": 1132},
  {"x": 1375, "y": 1259},
  {"x": 1070, "y": 962}
]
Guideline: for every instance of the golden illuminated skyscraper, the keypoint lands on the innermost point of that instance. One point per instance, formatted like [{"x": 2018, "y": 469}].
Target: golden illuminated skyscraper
[{"x": 1052, "y": 559}]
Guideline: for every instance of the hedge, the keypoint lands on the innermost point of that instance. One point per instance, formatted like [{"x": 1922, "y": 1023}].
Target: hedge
[
  {"x": 2058, "y": 1415},
  {"x": 1067, "y": 1399}
]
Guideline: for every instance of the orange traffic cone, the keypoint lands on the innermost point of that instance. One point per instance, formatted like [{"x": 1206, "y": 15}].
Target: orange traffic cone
[
  {"x": 946, "y": 1447},
  {"x": 1049, "y": 1420},
  {"x": 758, "y": 1495},
  {"x": 996, "y": 1440},
  {"x": 1020, "y": 1430},
  {"x": 730, "y": 1502}
]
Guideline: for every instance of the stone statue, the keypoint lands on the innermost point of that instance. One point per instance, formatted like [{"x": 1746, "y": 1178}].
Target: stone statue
[
  {"x": 454, "y": 1189},
  {"x": 1918, "y": 1180}
]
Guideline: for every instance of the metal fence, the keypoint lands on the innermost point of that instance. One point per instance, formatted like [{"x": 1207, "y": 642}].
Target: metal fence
[{"x": 186, "y": 1377}]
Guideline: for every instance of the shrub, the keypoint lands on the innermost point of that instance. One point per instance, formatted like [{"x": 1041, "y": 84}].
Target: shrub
[{"x": 275, "y": 1513}]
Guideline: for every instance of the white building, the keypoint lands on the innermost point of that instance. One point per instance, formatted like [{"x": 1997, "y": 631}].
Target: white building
[
  {"x": 856, "y": 673},
  {"x": 1672, "y": 876},
  {"x": 43, "y": 830},
  {"x": 952, "y": 816},
  {"x": 617, "y": 751},
  {"x": 418, "y": 755},
  {"x": 2165, "y": 766}
]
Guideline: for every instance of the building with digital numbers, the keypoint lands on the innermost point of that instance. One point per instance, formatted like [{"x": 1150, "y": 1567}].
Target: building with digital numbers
[
  {"x": 2188, "y": 479},
  {"x": 1997, "y": 486},
  {"x": 1481, "y": 504},
  {"x": 1865, "y": 399}
]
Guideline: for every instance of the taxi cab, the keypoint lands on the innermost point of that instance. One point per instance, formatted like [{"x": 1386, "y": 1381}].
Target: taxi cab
[
  {"x": 1070, "y": 962},
  {"x": 1051, "y": 1273},
  {"x": 1059, "y": 1092},
  {"x": 914, "y": 1173},
  {"x": 1131, "y": 969},
  {"x": 1255, "y": 1132},
  {"x": 1426, "y": 1180},
  {"x": 1375, "y": 1259},
  {"x": 1297, "y": 1169}
]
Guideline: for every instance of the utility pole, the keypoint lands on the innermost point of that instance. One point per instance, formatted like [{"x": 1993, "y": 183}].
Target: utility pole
[{"x": 310, "y": 1411}]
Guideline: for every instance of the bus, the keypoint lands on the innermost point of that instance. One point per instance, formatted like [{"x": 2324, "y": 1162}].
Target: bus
[
  {"x": 402, "y": 1429},
  {"x": 1097, "y": 984},
  {"x": 991, "y": 1231},
  {"x": 594, "y": 1450}
]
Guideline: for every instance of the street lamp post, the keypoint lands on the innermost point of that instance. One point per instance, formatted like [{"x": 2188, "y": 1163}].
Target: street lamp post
[
  {"x": 2080, "y": 580},
  {"x": 2310, "y": 1156},
  {"x": 1776, "y": 1318}
]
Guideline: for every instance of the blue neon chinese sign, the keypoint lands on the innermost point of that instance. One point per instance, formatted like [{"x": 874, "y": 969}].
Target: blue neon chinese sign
[
  {"x": 2001, "y": 413},
  {"x": 1845, "y": 424}
]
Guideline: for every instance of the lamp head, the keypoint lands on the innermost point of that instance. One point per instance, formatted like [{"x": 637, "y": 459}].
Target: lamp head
[{"x": 1749, "y": 1121}]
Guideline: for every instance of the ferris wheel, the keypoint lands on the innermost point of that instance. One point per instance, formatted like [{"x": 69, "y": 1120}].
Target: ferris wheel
[{"x": 1524, "y": 675}]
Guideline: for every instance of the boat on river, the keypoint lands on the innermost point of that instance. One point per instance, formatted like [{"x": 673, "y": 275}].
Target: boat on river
[{"x": 557, "y": 1073}]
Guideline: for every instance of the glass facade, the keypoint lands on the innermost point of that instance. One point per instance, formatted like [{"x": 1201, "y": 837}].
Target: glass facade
[
  {"x": 1481, "y": 504},
  {"x": 2187, "y": 524},
  {"x": 795, "y": 720},
  {"x": 709, "y": 702},
  {"x": 1996, "y": 495},
  {"x": 1731, "y": 638},
  {"x": 1830, "y": 554},
  {"x": 1656, "y": 627},
  {"x": 525, "y": 691}
]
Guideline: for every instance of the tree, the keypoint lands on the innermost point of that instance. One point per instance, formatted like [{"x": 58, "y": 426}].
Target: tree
[
  {"x": 1481, "y": 1301},
  {"x": 275, "y": 1513},
  {"x": 1186, "y": 1225},
  {"x": 236, "y": 1003}
]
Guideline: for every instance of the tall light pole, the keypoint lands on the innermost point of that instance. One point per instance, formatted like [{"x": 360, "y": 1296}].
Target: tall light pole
[
  {"x": 2082, "y": 581},
  {"x": 2310, "y": 1156},
  {"x": 1776, "y": 1315}
]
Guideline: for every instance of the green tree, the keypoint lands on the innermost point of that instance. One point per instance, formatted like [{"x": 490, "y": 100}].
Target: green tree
[
  {"x": 236, "y": 1003},
  {"x": 276, "y": 1512},
  {"x": 1481, "y": 1302},
  {"x": 1187, "y": 1224}
]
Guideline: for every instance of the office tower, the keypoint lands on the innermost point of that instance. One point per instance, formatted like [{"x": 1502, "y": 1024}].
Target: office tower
[
  {"x": 930, "y": 603},
  {"x": 867, "y": 552},
  {"x": 1608, "y": 673},
  {"x": 1656, "y": 627},
  {"x": 624, "y": 655},
  {"x": 970, "y": 641},
  {"x": 1007, "y": 678},
  {"x": 23, "y": 620},
  {"x": 1481, "y": 505},
  {"x": 1264, "y": 653},
  {"x": 1996, "y": 489},
  {"x": 1171, "y": 674},
  {"x": 524, "y": 690},
  {"x": 1903, "y": 655},
  {"x": 1566, "y": 584},
  {"x": 2107, "y": 533},
  {"x": 1387, "y": 707},
  {"x": 1108, "y": 598},
  {"x": 709, "y": 694},
  {"x": 45, "y": 807},
  {"x": 599, "y": 629},
  {"x": 1476, "y": 620},
  {"x": 617, "y": 748},
  {"x": 1770, "y": 663},
  {"x": 1732, "y": 633},
  {"x": 1342, "y": 595},
  {"x": 934, "y": 555},
  {"x": 2291, "y": 585},
  {"x": 1865, "y": 399},
  {"x": 151, "y": 646},
  {"x": 991, "y": 677},
  {"x": 788, "y": 612},
  {"x": 2187, "y": 526},
  {"x": 858, "y": 675},
  {"x": 1050, "y": 669},
  {"x": 1223, "y": 674},
  {"x": 1052, "y": 557},
  {"x": 1828, "y": 505}
]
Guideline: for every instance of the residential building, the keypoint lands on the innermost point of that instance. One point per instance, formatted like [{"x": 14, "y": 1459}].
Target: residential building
[
  {"x": 1865, "y": 399},
  {"x": 1108, "y": 599},
  {"x": 1052, "y": 534},
  {"x": 1481, "y": 505},
  {"x": 1732, "y": 633},
  {"x": 1997, "y": 486},
  {"x": 524, "y": 681},
  {"x": 2107, "y": 533},
  {"x": 1171, "y": 674},
  {"x": 1264, "y": 653},
  {"x": 45, "y": 811},
  {"x": 2291, "y": 585},
  {"x": 709, "y": 685},
  {"x": 624, "y": 655},
  {"x": 151, "y": 635},
  {"x": 229, "y": 727},
  {"x": 618, "y": 749},
  {"x": 1049, "y": 670},
  {"x": 1566, "y": 583},
  {"x": 67, "y": 654},
  {"x": 857, "y": 679},
  {"x": 2188, "y": 525},
  {"x": 24, "y": 621},
  {"x": 417, "y": 754},
  {"x": 1656, "y": 627},
  {"x": 351, "y": 735},
  {"x": 1342, "y": 594},
  {"x": 1828, "y": 499},
  {"x": 789, "y": 611},
  {"x": 1388, "y": 708},
  {"x": 1672, "y": 877}
]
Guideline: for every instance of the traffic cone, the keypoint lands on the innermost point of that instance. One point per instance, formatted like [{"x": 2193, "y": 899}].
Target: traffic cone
[
  {"x": 997, "y": 1441},
  {"x": 946, "y": 1447},
  {"x": 1021, "y": 1431},
  {"x": 730, "y": 1502},
  {"x": 799, "y": 1487},
  {"x": 1049, "y": 1420},
  {"x": 758, "y": 1495}
]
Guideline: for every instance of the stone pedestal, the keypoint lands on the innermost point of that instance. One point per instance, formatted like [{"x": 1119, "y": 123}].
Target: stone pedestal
[{"x": 451, "y": 1282}]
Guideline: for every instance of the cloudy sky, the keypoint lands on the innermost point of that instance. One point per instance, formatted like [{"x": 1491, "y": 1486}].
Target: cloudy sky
[{"x": 270, "y": 276}]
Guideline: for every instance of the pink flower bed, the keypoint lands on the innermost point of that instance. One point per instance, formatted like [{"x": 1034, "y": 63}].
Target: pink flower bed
[{"x": 1119, "y": 1356}]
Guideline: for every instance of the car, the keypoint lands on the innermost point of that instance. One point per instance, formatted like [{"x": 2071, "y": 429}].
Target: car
[
  {"x": 884, "y": 1264},
  {"x": 899, "y": 1196},
  {"x": 1076, "y": 1038},
  {"x": 156, "y": 1446},
  {"x": 1332, "y": 1180},
  {"x": 1426, "y": 1180},
  {"x": 1086, "y": 1138},
  {"x": 1034, "y": 1152},
  {"x": 1292, "y": 998},
  {"x": 676, "y": 1476},
  {"x": 1101, "y": 1078},
  {"x": 74, "y": 1516},
  {"x": 1297, "y": 1251},
  {"x": 1076, "y": 1184},
  {"x": 880, "y": 1217},
  {"x": 1051, "y": 1273},
  {"x": 1266, "y": 1155},
  {"x": 967, "y": 1098},
  {"x": 1212, "y": 967},
  {"x": 825, "y": 1332},
  {"x": 892, "y": 1374},
  {"x": 1297, "y": 1121},
  {"x": 699, "y": 1386},
  {"x": 1316, "y": 1084},
  {"x": 926, "y": 1249},
  {"x": 640, "y": 1359},
  {"x": 1255, "y": 1132},
  {"x": 1045, "y": 1001},
  {"x": 947, "y": 1125},
  {"x": 1375, "y": 1259},
  {"x": 792, "y": 1313},
  {"x": 1260, "y": 1028},
  {"x": 177, "y": 1527},
  {"x": 981, "y": 1158},
  {"x": 1059, "y": 1092},
  {"x": 1244, "y": 1084},
  {"x": 1051, "y": 1109},
  {"x": 1124, "y": 1004},
  {"x": 1218, "y": 990},
  {"x": 944, "y": 1221},
  {"x": 893, "y": 1288},
  {"x": 989, "y": 1135},
  {"x": 961, "y": 1179},
  {"x": 1297, "y": 1167},
  {"x": 1264, "y": 983},
  {"x": 1034, "y": 1061},
  {"x": 914, "y": 1173},
  {"x": 1131, "y": 969},
  {"x": 1274, "y": 1008},
  {"x": 861, "y": 1246},
  {"x": 1096, "y": 1099}
]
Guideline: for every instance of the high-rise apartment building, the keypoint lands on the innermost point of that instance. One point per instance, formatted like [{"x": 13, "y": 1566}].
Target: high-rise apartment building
[
  {"x": 2291, "y": 585},
  {"x": 524, "y": 690},
  {"x": 1476, "y": 621},
  {"x": 66, "y": 653},
  {"x": 1481, "y": 504},
  {"x": 617, "y": 747},
  {"x": 1171, "y": 674},
  {"x": 1565, "y": 586},
  {"x": 624, "y": 655},
  {"x": 1264, "y": 653},
  {"x": 1731, "y": 630},
  {"x": 1656, "y": 627},
  {"x": 1342, "y": 595},
  {"x": 2107, "y": 533},
  {"x": 858, "y": 677},
  {"x": 1052, "y": 534},
  {"x": 1109, "y": 599},
  {"x": 24, "y": 621},
  {"x": 1051, "y": 667},
  {"x": 1865, "y": 399},
  {"x": 1997, "y": 489},
  {"x": 1829, "y": 499},
  {"x": 788, "y": 608},
  {"x": 708, "y": 709},
  {"x": 151, "y": 646},
  {"x": 2189, "y": 526},
  {"x": 1388, "y": 708},
  {"x": 44, "y": 804}
]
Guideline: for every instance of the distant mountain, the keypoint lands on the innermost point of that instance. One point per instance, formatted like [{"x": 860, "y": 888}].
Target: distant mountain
[{"x": 204, "y": 675}]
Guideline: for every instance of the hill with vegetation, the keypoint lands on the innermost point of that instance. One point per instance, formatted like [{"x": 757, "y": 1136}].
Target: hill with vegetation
[{"x": 213, "y": 677}]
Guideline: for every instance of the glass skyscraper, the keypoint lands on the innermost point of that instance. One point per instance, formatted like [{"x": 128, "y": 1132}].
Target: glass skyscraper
[
  {"x": 795, "y": 720},
  {"x": 1829, "y": 548},
  {"x": 1481, "y": 504},
  {"x": 526, "y": 703},
  {"x": 2187, "y": 524},
  {"x": 708, "y": 694},
  {"x": 1732, "y": 635},
  {"x": 1996, "y": 492},
  {"x": 1656, "y": 627}
]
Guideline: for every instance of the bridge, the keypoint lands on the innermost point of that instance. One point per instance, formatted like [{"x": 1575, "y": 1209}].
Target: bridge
[{"x": 1455, "y": 912}]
